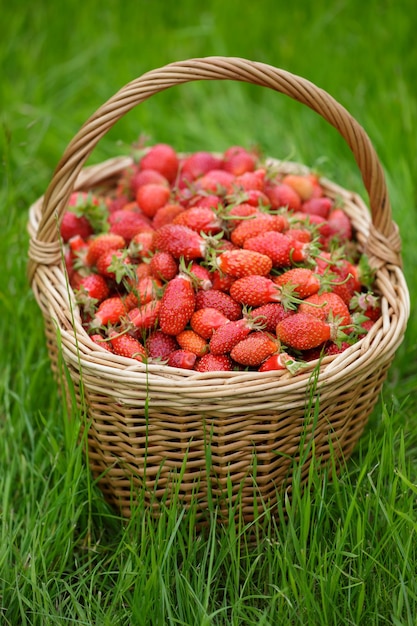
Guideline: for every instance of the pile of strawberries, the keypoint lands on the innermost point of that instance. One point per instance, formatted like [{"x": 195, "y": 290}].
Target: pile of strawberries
[{"x": 217, "y": 262}]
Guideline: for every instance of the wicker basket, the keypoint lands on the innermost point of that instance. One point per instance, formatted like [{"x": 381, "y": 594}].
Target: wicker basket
[{"x": 229, "y": 436}]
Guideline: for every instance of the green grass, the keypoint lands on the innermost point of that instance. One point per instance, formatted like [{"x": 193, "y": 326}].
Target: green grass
[{"x": 343, "y": 551}]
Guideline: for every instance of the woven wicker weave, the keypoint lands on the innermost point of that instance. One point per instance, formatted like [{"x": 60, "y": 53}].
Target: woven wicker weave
[{"x": 228, "y": 435}]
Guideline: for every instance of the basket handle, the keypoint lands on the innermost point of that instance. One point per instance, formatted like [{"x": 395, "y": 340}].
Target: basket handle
[{"x": 383, "y": 243}]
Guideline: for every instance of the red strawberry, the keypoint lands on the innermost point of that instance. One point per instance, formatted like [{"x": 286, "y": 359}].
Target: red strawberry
[
  {"x": 200, "y": 276},
  {"x": 142, "y": 245},
  {"x": 101, "y": 244},
  {"x": 94, "y": 287},
  {"x": 166, "y": 214},
  {"x": 140, "y": 177},
  {"x": 240, "y": 262},
  {"x": 299, "y": 234},
  {"x": 183, "y": 359},
  {"x": 340, "y": 225},
  {"x": 220, "y": 281},
  {"x": 280, "y": 361},
  {"x": 325, "y": 306},
  {"x": 126, "y": 345},
  {"x": 215, "y": 181},
  {"x": 72, "y": 225},
  {"x": 114, "y": 264},
  {"x": 177, "y": 305},
  {"x": 110, "y": 311},
  {"x": 299, "y": 280},
  {"x": 238, "y": 160},
  {"x": 282, "y": 250},
  {"x": 145, "y": 316},
  {"x": 180, "y": 241},
  {"x": 191, "y": 341},
  {"x": 128, "y": 223},
  {"x": 282, "y": 195},
  {"x": 197, "y": 164},
  {"x": 163, "y": 158},
  {"x": 214, "y": 363},
  {"x": 270, "y": 314},
  {"x": 226, "y": 336},
  {"x": 152, "y": 197},
  {"x": 144, "y": 290},
  {"x": 255, "y": 290},
  {"x": 163, "y": 265},
  {"x": 219, "y": 300},
  {"x": 200, "y": 219},
  {"x": 317, "y": 206},
  {"x": 256, "y": 225},
  {"x": 143, "y": 270},
  {"x": 302, "y": 331},
  {"x": 158, "y": 344},
  {"x": 254, "y": 349},
  {"x": 250, "y": 181},
  {"x": 237, "y": 213},
  {"x": 100, "y": 341},
  {"x": 206, "y": 320}
]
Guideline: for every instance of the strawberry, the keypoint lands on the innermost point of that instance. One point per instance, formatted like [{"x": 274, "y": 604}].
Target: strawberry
[
  {"x": 92, "y": 290},
  {"x": 100, "y": 341},
  {"x": 303, "y": 184},
  {"x": 221, "y": 281},
  {"x": 214, "y": 363},
  {"x": 282, "y": 195},
  {"x": 72, "y": 225},
  {"x": 101, "y": 244},
  {"x": 215, "y": 181},
  {"x": 280, "y": 361},
  {"x": 238, "y": 160},
  {"x": 302, "y": 331},
  {"x": 110, "y": 311},
  {"x": 197, "y": 164},
  {"x": 145, "y": 176},
  {"x": 128, "y": 223},
  {"x": 144, "y": 290},
  {"x": 163, "y": 266},
  {"x": 183, "y": 359},
  {"x": 193, "y": 342},
  {"x": 219, "y": 300},
  {"x": 126, "y": 345},
  {"x": 158, "y": 344},
  {"x": 240, "y": 262},
  {"x": 115, "y": 265},
  {"x": 326, "y": 306},
  {"x": 200, "y": 219},
  {"x": 256, "y": 225},
  {"x": 237, "y": 213},
  {"x": 270, "y": 314},
  {"x": 340, "y": 225},
  {"x": 226, "y": 336},
  {"x": 142, "y": 270},
  {"x": 254, "y": 349},
  {"x": 180, "y": 241},
  {"x": 177, "y": 305},
  {"x": 317, "y": 206},
  {"x": 250, "y": 181},
  {"x": 206, "y": 320},
  {"x": 152, "y": 197},
  {"x": 200, "y": 275},
  {"x": 282, "y": 250},
  {"x": 163, "y": 158},
  {"x": 255, "y": 290},
  {"x": 301, "y": 281},
  {"x": 145, "y": 316},
  {"x": 166, "y": 214},
  {"x": 142, "y": 244}
]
